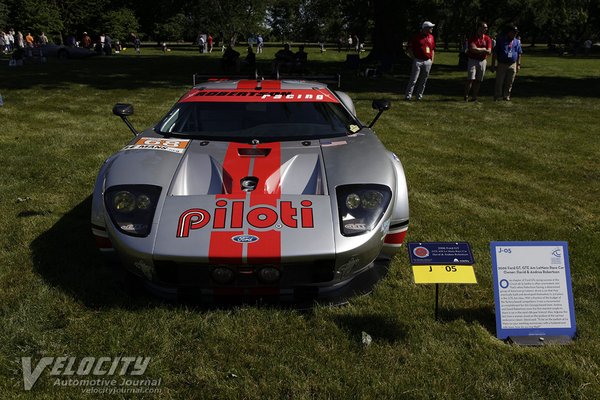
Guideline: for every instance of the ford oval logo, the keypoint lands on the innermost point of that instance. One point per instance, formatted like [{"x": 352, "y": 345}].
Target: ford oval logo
[{"x": 245, "y": 239}]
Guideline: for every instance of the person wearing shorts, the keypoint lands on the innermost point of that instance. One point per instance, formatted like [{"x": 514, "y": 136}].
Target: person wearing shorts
[{"x": 479, "y": 48}]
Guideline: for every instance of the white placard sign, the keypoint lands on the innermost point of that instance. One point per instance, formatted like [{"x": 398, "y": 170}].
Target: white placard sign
[{"x": 532, "y": 289}]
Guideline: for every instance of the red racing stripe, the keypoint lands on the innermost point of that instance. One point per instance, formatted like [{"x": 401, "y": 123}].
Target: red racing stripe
[
  {"x": 223, "y": 250},
  {"x": 271, "y": 85},
  {"x": 234, "y": 169},
  {"x": 247, "y": 84},
  {"x": 268, "y": 248}
]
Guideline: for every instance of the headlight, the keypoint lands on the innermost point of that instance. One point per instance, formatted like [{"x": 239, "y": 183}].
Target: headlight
[
  {"x": 361, "y": 207},
  {"x": 124, "y": 201},
  {"x": 352, "y": 201},
  {"x": 131, "y": 207}
]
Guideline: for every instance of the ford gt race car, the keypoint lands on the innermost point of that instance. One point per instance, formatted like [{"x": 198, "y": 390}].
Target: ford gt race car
[{"x": 254, "y": 188}]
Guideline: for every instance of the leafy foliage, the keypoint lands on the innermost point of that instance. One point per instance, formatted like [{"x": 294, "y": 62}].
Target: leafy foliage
[
  {"x": 175, "y": 28},
  {"x": 387, "y": 23},
  {"x": 39, "y": 16},
  {"x": 120, "y": 23}
]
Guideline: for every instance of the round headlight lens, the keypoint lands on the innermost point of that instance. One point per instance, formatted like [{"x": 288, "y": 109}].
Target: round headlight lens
[
  {"x": 268, "y": 274},
  {"x": 124, "y": 201},
  {"x": 143, "y": 202},
  {"x": 222, "y": 275},
  {"x": 352, "y": 201},
  {"x": 372, "y": 199}
]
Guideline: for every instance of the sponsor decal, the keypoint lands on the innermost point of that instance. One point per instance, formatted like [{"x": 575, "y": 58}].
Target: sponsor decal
[
  {"x": 245, "y": 239},
  {"x": 233, "y": 215},
  {"x": 171, "y": 145},
  {"x": 421, "y": 252},
  {"x": 261, "y": 96},
  {"x": 329, "y": 143}
]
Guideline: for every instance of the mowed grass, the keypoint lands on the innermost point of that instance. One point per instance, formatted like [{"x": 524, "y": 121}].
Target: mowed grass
[{"x": 477, "y": 172}]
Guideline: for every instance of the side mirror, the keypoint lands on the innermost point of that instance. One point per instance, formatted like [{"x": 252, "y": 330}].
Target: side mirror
[
  {"x": 124, "y": 110},
  {"x": 381, "y": 105}
]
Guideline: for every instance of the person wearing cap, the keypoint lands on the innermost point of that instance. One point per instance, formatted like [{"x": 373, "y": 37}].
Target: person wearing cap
[
  {"x": 508, "y": 54},
  {"x": 421, "y": 49},
  {"x": 478, "y": 48}
]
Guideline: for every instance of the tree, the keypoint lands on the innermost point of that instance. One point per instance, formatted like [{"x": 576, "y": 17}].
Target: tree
[
  {"x": 229, "y": 17},
  {"x": 390, "y": 29},
  {"x": 3, "y": 14},
  {"x": 120, "y": 23},
  {"x": 175, "y": 28},
  {"x": 39, "y": 16},
  {"x": 280, "y": 17},
  {"x": 81, "y": 15}
]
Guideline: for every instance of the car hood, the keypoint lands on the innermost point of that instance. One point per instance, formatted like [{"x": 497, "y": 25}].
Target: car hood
[{"x": 221, "y": 202}]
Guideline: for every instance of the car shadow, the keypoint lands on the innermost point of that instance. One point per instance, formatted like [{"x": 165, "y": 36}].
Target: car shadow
[{"x": 66, "y": 257}]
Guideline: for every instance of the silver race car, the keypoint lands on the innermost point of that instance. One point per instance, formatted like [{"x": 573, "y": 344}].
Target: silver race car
[{"x": 254, "y": 188}]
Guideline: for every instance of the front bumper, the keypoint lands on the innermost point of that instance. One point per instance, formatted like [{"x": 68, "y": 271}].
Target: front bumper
[{"x": 299, "y": 297}]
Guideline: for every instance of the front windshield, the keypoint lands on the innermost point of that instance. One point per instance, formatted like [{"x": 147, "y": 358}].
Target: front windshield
[{"x": 264, "y": 121}]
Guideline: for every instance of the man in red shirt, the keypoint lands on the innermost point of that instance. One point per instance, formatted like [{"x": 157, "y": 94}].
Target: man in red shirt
[
  {"x": 479, "y": 47},
  {"x": 421, "y": 49}
]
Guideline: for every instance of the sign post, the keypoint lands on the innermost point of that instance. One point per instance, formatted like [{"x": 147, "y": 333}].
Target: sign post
[
  {"x": 441, "y": 262},
  {"x": 532, "y": 292}
]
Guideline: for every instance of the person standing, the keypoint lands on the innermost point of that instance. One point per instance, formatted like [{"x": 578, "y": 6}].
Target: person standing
[
  {"x": 11, "y": 39},
  {"x": 43, "y": 39},
  {"x": 479, "y": 47},
  {"x": 508, "y": 53},
  {"x": 201, "y": 43},
  {"x": 260, "y": 44},
  {"x": 20, "y": 41},
  {"x": 587, "y": 46},
  {"x": 210, "y": 43},
  {"x": 421, "y": 48},
  {"x": 86, "y": 40},
  {"x": 29, "y": 40}
]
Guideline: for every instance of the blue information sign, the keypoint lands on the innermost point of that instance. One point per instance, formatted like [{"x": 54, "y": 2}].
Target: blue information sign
[
  {"x": 532, "y": 289},
  {"x": 440, "y": 253}
]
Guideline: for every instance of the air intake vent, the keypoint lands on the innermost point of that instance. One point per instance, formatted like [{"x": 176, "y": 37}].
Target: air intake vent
[{"x": 252, "y": 152}]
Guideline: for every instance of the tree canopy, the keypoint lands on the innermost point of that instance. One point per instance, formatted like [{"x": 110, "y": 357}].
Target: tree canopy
[{"x": 386, "y": 23}]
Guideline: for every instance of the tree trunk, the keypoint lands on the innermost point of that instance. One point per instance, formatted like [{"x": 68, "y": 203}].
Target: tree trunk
[{"x": 391, "y": 20}]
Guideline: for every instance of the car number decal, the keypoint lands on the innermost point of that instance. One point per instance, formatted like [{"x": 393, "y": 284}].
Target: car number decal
[{"x": 171, "y": 145}]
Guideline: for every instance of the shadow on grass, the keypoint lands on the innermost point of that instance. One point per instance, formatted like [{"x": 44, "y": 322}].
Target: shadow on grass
[
  {"x": 174, "y": 71},
  {"x": 483, "y": 316},
  {"x": 379, "y": 327},
  {"x": 66, "y": 257}
]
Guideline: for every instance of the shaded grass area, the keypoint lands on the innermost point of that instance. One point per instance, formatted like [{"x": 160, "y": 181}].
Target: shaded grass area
[{"x": 524, "y": 170}]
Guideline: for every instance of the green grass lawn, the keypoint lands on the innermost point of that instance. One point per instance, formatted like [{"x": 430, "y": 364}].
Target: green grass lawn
[{"x": 478, "y": 172}]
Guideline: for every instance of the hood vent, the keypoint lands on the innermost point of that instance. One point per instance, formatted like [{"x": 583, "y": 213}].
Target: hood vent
[{"x": 252, "y": 152}]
